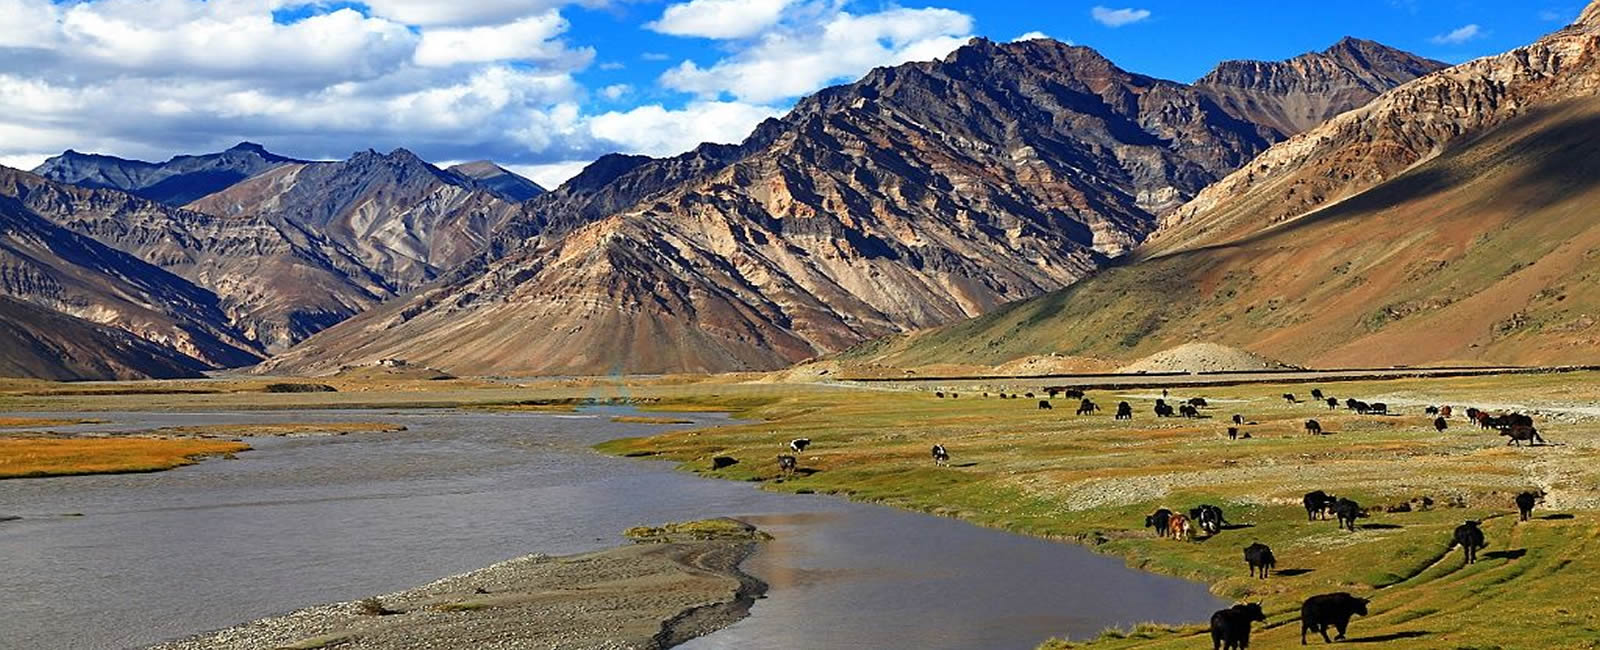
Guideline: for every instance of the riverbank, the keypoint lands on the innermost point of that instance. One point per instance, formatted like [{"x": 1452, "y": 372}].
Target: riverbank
[
  {"x": 675, "y": 583},
  {"x": 1092, "y": 479}
]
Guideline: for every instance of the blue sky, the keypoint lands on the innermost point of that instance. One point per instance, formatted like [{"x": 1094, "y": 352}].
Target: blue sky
[{"x": 544, "y": 86}]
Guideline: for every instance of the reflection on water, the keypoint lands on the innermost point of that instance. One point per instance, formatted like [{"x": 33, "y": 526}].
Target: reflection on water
[{"x": 301, "y": 521}]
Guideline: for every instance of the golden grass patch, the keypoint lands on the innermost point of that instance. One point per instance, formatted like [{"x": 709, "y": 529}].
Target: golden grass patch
[{"x": 49, "y": 456}]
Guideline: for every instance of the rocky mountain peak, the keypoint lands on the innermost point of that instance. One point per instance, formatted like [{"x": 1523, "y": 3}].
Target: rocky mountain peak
[{"x": 1590, "y": 16}]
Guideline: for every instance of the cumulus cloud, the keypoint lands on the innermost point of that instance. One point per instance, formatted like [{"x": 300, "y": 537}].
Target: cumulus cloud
[
  {"x": 1458, "y": 36},
  {"x": 462, "y": 12},
  {"x": 1118, "y": 17},
  {"x": 1031, "y": 36},
  {"x": 657, "y": 131},
  {"x": 152, "y": 78},
  {"x": 720, "y": 19},
  {"x": 615, "y": 92},
  {"x": 801, "y": 56},
  {"x": 528, "y": 39}
]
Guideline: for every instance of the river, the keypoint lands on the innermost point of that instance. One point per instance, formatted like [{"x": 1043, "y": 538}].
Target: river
[{"x": 122, "y": 561}]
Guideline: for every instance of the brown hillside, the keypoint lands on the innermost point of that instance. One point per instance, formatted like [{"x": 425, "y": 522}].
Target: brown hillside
[{"x": 1488, "y": 252}]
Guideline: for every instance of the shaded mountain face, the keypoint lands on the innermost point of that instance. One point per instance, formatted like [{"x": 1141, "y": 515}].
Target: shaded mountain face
[
  {"x": 1468, "y": 234},
  {"x": 1362, "y": 148},
  {"x": 175, "y": 182},
  {"x": 277, "y": 283},
  {"x": 499, "y": 180},
  {"x": 921, "y": 194},
  {"x": 46, "y": 344},
  {"x": 59, "y": 270},
  {"x": 402, "y": 218},
  {"x": 1303, "y": 92}
]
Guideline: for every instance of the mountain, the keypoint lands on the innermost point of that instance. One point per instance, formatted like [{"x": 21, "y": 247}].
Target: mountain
[
  {"x": 1362, "y": 148},
  {"x": 277, "y": 283},
  {"x": 47, "y": 344},
  {"x": 175, "y": 182},
  {"x": 921, "y": 194},
  {"x": 1305, "y": 91},
  {"x": 499, "y": 180},
  {"x": 403, "y": 219},
  {"x": 1468, "y": 235},
  {"x": 56, "y": 269}
]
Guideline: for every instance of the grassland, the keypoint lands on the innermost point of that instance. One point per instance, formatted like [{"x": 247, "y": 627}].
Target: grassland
[
  {"x": 26, "y": 422},
  {"x": 40, "y": 456},
  {"x": 1092, "y": 479}
]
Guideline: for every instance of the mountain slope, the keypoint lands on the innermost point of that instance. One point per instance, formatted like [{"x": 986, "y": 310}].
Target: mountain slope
[
  {"x": 921, "y": 194},
  {"x": 1488, "y": 252},
  {"x": 1408, "y": 125},
  {"x": 403, "y": 218},
  {"x": 175, "y": 182},
  {"x": 1305, "y": 91},
  {"x": 278, "y": 283},
  {"x": 499, "y": 180},
  {"x": 44, "y": 344},
  {"x": 60, "y": 270}
]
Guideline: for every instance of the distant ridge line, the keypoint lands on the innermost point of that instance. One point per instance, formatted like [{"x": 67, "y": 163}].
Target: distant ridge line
[{"x": 1336, "y": 374}]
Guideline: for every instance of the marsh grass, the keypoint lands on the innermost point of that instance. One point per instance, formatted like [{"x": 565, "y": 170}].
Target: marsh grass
[{"x": 32, "y": 457}]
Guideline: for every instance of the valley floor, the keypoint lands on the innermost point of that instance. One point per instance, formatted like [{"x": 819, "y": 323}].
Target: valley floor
[{"x": 1092, "y": 479}]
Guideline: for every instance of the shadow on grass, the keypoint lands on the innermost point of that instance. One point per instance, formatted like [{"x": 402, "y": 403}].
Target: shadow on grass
[
  {"x": 1557, "y": 517},
  {"x": 1380, "y": 526},
  {"x": 1506, "y": 555},
  {"x": 1290, "y": 573},
  {"x": 1382, "y": 638},
  {"x": 1238, "y": 526},
  {"x": 973, "y": 464}
]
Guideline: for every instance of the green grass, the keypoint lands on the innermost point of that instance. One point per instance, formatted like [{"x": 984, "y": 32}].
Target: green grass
[{"x": 1091, "y": 480}]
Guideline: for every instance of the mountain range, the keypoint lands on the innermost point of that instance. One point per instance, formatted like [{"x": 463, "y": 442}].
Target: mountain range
[
  {"x": 1005, "y": 184},
  {"x": 921, "y": 194},
  {"x": 1450, "y": 219}
]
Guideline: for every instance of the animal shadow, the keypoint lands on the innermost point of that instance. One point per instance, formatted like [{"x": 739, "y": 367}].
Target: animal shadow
[
  {"x": 972, "y": 464},
  {"x": 1238, "y": 526},
  {"x": 1557, "y": 517},
  {"x": 1380, "y": 526},
  {"x": 1506, "y": 555},
  {"x": 1381, "y": 638},
  {"x": 1290, "y": 573},
  {"x": 806, "y": 471}
]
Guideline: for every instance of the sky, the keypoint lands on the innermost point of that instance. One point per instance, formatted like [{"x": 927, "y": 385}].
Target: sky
[{"x": 546, "y": 86}]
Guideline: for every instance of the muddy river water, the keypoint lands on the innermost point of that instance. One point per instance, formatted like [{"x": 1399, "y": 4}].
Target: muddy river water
[{"x": 122, "y": 561}]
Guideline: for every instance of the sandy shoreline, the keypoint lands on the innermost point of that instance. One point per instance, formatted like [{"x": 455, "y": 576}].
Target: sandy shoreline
[{"x": 644, "y": 596}]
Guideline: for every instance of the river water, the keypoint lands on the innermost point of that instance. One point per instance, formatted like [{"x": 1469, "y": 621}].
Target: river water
[{"x": 123, "y": 561}]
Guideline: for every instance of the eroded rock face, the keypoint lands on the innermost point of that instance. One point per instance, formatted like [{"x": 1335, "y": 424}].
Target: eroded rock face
[
  {"x": 275, "y": 283},
  {"x": 404, "y": 219},
  {"x": 56, "y": 269},
  {"x": 175, "y": 182},
  {"x": 1359, "y": 149},
  {"x": 921, "y": 194},
  {"x": 1303, "y": 92}
]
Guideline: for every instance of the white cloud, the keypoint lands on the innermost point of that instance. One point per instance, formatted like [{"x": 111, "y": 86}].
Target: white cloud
[
  {"x": 720, "y": 19},
  {"x": 615, "y": 92},
  {"x": 657, "y": 131},
  {"x": 1118, "y": 17},
  {"x": 151, "y": 78},
  {"x": 1551, "y": 15},
  {"x": 464, "y": 12},
  {"x": 1031, "y": 36},
  {"x": 549, "y": 175},
  {"x": 1458, "y": 36},
  {"x": 25, "y": 161},
  {"x": 527, "y": 39},
  {"x": 791, "y": 60}
]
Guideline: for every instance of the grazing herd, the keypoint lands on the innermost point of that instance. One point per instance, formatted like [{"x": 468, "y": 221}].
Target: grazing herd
[{"x": 1230, "y": 628}]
